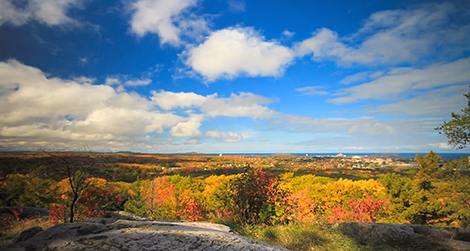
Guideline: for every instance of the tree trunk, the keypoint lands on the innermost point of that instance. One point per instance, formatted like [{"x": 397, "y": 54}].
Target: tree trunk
[{"x": 72, "y": 207}]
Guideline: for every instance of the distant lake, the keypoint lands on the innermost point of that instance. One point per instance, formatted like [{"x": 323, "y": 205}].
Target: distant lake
[{"x": 402, "y": 155}]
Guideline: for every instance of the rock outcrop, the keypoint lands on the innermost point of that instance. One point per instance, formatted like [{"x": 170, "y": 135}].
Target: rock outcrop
[
  {"x": 407, "y": 236},
  {"x": 25, "y": 212},
  {"x": 124, "y": 234}
]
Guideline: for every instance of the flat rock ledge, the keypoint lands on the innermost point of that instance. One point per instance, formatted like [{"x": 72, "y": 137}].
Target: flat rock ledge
[
  {"x": 136, "y": 234},
  {"x": 408, "y": 236}
]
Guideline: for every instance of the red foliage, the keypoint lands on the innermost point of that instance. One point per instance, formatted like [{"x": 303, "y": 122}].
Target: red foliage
[
  {"x": 359, "y": 210},
  {"x": 57, "y": 212},
  {"x": 192, "y": 210},
  {"x": 17, "y": 213}
]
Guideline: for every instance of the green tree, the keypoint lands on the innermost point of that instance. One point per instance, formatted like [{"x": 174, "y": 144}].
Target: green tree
[
  {"x": 429, "y": 201},
  {"x": 457, "y": 129},
  {"x": 137, "y": 202},
  {"x": 28, "y": 190},
  {"x": 400, "y": 189},
  {"x": 427, "y": 170}
]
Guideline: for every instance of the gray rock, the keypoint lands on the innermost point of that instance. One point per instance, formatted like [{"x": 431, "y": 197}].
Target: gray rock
[
  {"x": 28, "y": 233},
  {"x": 27, "y": 212},
  {"x": 118, "y": 234},
  {"x": 406, "y": 236}
]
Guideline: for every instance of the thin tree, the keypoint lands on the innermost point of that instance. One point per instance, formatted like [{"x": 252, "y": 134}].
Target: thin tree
[{"x": 77, "y": 172}]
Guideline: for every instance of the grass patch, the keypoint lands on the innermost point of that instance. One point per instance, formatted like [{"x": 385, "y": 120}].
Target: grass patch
[
  {"x": 304, "y": 237},
  {"x": 11, "y": 230},
  {"x": 307, "y": 236}
]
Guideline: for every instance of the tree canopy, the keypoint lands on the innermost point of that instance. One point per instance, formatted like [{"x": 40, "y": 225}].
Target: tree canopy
[{"x": 457, "y": 129}]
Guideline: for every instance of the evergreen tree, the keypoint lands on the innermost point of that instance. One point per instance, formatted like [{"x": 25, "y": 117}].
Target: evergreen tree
[
  {"x": 428, "y": 203},
  {"x": 457, "y": 129}
]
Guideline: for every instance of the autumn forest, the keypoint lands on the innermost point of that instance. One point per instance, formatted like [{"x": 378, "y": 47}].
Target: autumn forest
[{"x": 237, "y": 189}]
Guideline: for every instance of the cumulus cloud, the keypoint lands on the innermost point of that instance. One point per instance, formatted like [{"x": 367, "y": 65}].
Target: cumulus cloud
[
  {"x": 391, "y": 37},
  {"x": 241, "y": 105},
  {"x": 311, "y": 91},
  {"x": 168, "y": 19},
  {"x": 231, "y": 52},
  {"x": 37, "y": 109},
  {"x": 171, "y": 100},
  {"x": 224, "y": 136},
  {"x": 189, "y": 128},
  {"x": 406, "y": 81},
  {"x": 49, "y": 12}
]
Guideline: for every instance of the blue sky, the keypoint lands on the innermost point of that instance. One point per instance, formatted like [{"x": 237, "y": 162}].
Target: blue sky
[{"x": 231, "y": 75}]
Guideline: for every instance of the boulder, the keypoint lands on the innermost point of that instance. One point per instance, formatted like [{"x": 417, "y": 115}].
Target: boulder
[
  {"x": 407, "y": 236},
  {"x": 122, "y": 234},
  {"x": 28, "y": 233}
]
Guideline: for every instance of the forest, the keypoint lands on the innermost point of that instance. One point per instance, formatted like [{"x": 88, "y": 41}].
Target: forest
[{"x": 242, "y": 191}]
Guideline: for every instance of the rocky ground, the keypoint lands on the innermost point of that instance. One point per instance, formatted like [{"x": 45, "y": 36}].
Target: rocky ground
[
  {"x": 407, "y": 236},
  {"x": 125, "y": 231},
  {"x": 136, "y": 234}
]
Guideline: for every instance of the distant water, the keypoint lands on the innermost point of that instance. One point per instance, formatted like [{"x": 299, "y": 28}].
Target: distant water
[{"x": 402, "y": 155}]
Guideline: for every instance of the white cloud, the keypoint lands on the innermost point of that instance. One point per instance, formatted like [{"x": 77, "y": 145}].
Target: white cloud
[
  {"x": 231, "y": 52},
  {"x": 396, "y": 82},
  {"x": 311, "y": 91},
  {"x": 168, "y": 19},
  {"x": 138, "y": 82},
  {"x": 83, "y": 61},
  {"x": 224, "y": 136},
  {"x": 112, "y": 81},
  {"x": 49, "y": 12},
  {"x": 84, "y": 80},
  {"x": 236, "y": 5},
  {"x": 242, "y": 105},
  {"x": 36, "y": 109},
  {"x": 189, "y": 128},
  {"x": 351, "y": 126},
  {"x": 171, "y": 100},
  {"x": 441, "y": 146},
  {"x": 120, "y": 80},
  {"x": 361, "y": 76},
  {"x": 353, "y": 148},
  {"x": 374, "y": 129},
  {"x": 433, "y": 103},
  {"x": 288, "y": 34},
  {"x": 391, "y": 37}
]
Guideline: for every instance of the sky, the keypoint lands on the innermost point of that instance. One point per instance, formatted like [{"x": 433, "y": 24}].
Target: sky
[{"x": 232, "y": 76}]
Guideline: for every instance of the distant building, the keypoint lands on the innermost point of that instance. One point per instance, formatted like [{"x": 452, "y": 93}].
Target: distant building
[
  {"x": 220, "y": 155},
  {"x": 340, "y": 155}
]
